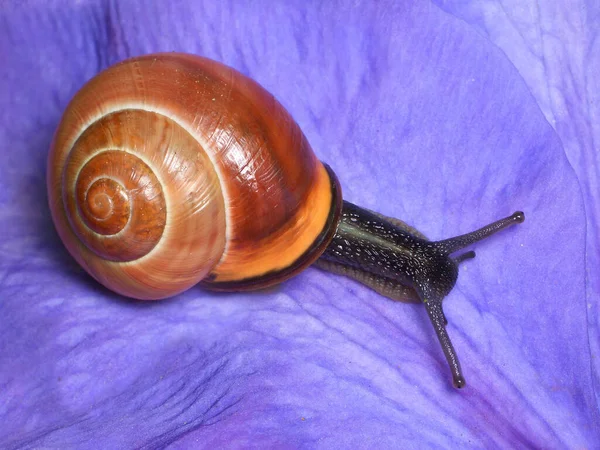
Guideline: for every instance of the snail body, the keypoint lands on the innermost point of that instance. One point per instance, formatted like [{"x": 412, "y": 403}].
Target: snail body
[{"x": 171, "y": 170}]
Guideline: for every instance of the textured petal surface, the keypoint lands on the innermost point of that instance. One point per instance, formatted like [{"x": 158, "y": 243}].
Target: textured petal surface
[
  {"x": 554, "y": 46},
  {"x": 446, "y": 115}
]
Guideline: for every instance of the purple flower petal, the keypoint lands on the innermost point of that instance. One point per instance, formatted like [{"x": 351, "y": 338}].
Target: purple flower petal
[
  {"x": 554, "y": 47},
  {"x": 423, "y": 116}
]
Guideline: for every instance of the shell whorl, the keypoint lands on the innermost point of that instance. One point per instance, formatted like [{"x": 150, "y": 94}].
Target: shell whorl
[
  {"x": 116, "y": 205},
  {"x": 140, "y": 193}
]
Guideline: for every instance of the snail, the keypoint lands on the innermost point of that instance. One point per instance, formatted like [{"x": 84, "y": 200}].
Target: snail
[{"x": 170, "y": 170}]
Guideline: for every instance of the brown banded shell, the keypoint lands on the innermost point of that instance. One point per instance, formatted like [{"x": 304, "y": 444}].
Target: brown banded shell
[{"x": 170, "y": 169}]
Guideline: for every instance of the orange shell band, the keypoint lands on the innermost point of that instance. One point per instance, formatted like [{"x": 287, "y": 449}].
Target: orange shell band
[{"x": 295, "y": 248}]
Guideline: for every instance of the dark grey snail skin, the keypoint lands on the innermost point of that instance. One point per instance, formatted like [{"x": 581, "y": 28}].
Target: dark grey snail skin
[{"x": 397, "y": 261}]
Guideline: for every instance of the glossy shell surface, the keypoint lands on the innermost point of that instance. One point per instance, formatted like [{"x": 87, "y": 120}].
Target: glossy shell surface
[{"x": 171, "y": 169}]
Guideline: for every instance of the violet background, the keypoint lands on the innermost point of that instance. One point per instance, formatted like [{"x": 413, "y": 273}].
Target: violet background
[{"x": 447, "y": 114}]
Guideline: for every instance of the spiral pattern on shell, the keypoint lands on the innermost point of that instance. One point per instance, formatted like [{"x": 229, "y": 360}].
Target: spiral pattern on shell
[
  {"x": 127, "y": 187},
  {"x": 168, "y": 170},
  {"x": 115, "y": 201},
  {"x": 116, "y": 196}
]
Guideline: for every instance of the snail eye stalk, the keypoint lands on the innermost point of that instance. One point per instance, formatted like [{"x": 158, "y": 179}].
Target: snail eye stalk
[{"x": 400, "y": 263}]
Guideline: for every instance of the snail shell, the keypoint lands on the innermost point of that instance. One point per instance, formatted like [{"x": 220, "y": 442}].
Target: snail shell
[{"x": 168, "y": 170}]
